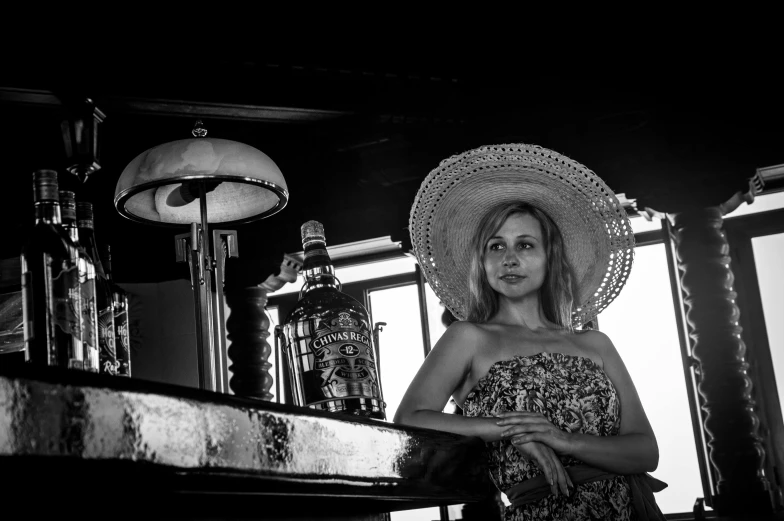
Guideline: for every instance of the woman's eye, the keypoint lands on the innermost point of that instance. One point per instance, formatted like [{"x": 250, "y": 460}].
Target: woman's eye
[
  {"x": 495, "y": 246},
  {"x": 525, "y": 245}
]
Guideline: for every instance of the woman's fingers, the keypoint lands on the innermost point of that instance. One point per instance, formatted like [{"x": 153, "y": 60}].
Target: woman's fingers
[
  {"x": 558, "y": 440},
  {"x": 547, "y": 462},
  {"x": 562, "y": 478},
  {"x": 535, "y": 452},
  {"x": 525, "y": 429},
  {"x": 548, "y": 467},
  {"x": 560, "y": 475}
]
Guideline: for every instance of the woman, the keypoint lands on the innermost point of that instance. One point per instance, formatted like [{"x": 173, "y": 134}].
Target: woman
[{"x": 568, "y": 436}]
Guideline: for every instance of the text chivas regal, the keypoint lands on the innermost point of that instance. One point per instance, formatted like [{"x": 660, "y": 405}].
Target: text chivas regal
[{"x": 328, "y": 340}]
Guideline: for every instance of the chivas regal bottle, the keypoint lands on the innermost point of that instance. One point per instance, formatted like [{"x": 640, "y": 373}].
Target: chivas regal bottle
[
  {"x": 50, "y": 283},
  {"x": 328, "y": 340}
]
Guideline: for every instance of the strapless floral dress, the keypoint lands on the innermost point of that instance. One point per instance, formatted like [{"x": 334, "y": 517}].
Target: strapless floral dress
[{"x": 576, "y": 395}]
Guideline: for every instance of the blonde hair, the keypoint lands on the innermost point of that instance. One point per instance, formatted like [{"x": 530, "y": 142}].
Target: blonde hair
[{"x": 557, "y": 291}]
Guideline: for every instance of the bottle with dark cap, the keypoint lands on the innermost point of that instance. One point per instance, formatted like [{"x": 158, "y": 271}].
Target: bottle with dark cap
[
  {"x": 86, "y": 268},
  {"x": 50, "y": 280},
  {"x": 122, "y": 340},
  {"x": 328, "y": 341},
  {"x": 103, "y": 293}
]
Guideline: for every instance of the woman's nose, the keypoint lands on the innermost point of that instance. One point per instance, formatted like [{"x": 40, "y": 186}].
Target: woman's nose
[{"x": 510, "y": 259}]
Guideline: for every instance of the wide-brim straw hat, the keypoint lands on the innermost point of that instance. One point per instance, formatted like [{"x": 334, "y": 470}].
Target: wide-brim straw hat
[{"x": 453, "y": 198}]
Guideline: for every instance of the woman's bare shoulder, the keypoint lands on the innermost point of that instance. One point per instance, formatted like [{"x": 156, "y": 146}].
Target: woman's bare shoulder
[
  {"x": 463, "y": 335},
  {"x": 593, "y": 337},
  {"x": 465, "y": 327},
  {"x": 595, "y": 343}
]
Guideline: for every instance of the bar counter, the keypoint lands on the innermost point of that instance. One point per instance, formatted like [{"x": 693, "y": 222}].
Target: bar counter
[{"x": 96, "y": 446}]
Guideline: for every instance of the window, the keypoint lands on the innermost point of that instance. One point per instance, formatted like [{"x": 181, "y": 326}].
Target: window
[
  {"x": 768, "y": 252},
  {"x": 641, "y": 322},
  {"x": 756, "y": 247}
]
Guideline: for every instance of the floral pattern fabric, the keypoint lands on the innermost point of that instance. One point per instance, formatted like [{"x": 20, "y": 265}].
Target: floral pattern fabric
[{"x": 576, "y": 395}]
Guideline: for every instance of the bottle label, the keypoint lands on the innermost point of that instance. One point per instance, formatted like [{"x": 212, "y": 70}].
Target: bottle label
[
  {"x": 106, "y": 340},
  {"x": 66, "y": 300},
  {"x": 55, "y": 302},
  {"x": 88, "y": 313},
  {"x": 28, "y": 307},
  {"x": 122, "y": 343},
  {"x": 89, "y": 325},
  {"x": 344, "y": 360}
]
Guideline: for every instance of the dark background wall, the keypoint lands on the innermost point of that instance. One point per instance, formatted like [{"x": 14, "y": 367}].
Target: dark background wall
[{"x": 355, "y": 137}]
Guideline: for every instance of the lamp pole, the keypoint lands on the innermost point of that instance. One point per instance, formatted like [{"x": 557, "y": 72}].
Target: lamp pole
[
  {"x": 196, "y": 244},
  {"x": 207, "y": 261}
]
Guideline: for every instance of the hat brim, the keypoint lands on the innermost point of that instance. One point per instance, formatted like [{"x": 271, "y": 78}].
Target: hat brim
[{"x": 454, "y": 197}]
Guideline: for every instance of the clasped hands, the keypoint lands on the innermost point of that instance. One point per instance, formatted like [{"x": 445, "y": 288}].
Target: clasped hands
[{"x": 537, "y": 439}]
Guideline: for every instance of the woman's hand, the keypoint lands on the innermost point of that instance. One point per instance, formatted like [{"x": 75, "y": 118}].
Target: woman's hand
[
  {"x": 548, "y": 462},
  {"x": 526, "y": 426}
]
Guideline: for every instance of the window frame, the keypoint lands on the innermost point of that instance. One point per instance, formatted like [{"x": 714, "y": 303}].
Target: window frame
[
  {"x": 740, "y": 231},
  {"x": 689, "y": 364}
]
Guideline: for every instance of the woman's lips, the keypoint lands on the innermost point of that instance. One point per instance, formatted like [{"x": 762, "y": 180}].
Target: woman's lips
[{"x": 512, "y": 278}]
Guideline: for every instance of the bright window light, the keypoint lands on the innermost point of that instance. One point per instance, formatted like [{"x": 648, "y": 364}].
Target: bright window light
[
  {"x": 359, "y": 272},
  {"x": 641, "y": 224},
  {"x": 768, "y": 252},
  {"x": 435, "y": 310},
  {"x": 400, "y": 340},
  {"x": 641, "y": 324},
  {"x": 761, "y": 203},
  {"x": 272, "y": 315},
  {"x": 402, "y": 352}
]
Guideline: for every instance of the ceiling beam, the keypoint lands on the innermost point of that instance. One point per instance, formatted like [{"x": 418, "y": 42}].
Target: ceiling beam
[{"x": 190, "y": 109}]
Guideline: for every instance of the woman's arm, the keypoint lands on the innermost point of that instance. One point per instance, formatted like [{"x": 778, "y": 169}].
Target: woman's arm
[
  {"x": 634, "y": 450},
  {"x": 444, "y": 370}
]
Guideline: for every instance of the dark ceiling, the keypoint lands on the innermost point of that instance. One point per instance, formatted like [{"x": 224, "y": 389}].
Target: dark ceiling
[{"x": 354, "y": 139}]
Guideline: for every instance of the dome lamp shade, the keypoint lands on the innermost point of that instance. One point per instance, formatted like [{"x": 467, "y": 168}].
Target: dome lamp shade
[{"x": 160, "y": 185}]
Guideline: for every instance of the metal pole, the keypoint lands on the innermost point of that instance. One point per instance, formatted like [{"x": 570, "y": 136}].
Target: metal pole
[
  {"x": 204, "y": 322},
  {"x": 224, "y": 244}
]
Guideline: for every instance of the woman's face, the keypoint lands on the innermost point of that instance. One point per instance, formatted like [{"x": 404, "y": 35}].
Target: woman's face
[{"x": 515, "y": 257}]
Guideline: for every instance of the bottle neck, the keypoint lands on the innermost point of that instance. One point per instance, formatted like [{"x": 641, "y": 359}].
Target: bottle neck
[
  {"x": 48, "y": 211},
  {"x": 68, "y": 216},
  {"x": 72, "y": 231},
  {"x": 87, "y": 239},
  {"x": 317, "y": 267},
  {"x": 107, "y": 267}
]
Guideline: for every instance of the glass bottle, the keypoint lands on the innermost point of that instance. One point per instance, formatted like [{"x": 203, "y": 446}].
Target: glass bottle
[
  {"x": 328, "y": 341},
  {"x": 88, "y": 314},
  {"x": 50, "y": 283},
  {"x": 103, "y": 294},
  {"x": 122, "y": 341}
]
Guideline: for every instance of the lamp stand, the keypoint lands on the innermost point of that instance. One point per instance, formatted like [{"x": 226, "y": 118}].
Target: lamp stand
[{"x": 207, "y": 269}]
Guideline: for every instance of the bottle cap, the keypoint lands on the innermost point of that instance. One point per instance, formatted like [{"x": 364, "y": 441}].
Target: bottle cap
[
  {"x": 68, "y": 205},
  {"x": 84, "y": 211},
  {"x": 67, "y": 198},
  {"x": 45, "y": 182},
  {"x": 312, "y": 230}
]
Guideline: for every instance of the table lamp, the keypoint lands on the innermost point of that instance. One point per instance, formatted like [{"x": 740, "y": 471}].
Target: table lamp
[{"x": 193, "y": 183}]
